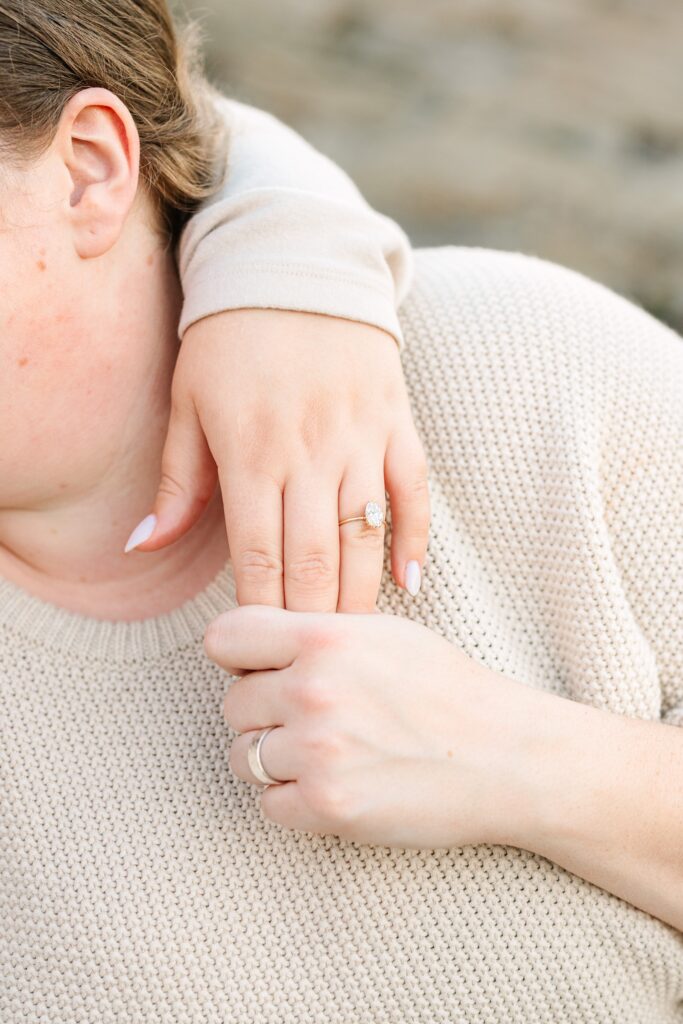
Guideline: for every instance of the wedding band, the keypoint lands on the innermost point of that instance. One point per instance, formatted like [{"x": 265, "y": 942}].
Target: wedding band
[
  {"x": 373, "y": 516},
  {"x": 254, "y": 759}
]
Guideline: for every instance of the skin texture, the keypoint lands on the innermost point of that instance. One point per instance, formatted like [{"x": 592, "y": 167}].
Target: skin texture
[
  {"x": 388, "y": 735},
  {"x": 89, "y": 304}
]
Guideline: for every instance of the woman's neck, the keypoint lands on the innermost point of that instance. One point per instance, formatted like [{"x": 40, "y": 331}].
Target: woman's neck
[
  {"x": 64, "y": 541},
  {"x": 72, "y": 556}
]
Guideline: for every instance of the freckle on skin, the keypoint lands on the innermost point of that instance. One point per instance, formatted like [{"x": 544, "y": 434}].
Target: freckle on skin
[
  {"x": 150, "y": 259},
  {"x": 23, "y": 361},
  {"x": 41, "y": 264},
  {"x": 450, "y": 753}
]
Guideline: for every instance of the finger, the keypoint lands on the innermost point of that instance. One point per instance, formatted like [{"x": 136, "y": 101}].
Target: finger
[
  {"x": 188, "y": 481},
  {"x": 257, "y": 637},
  {"x": 282, "y": 804},
  {"x": 406, "y": 476},
  {"x": 253, "y": 518},
  {"x": 361, "y": 547},
  {"x": 285, "y": 806},
  {"x": 257, "y": 700},
  {"x": 278, "y": 756},
  {"x": 311, "y": 544}
]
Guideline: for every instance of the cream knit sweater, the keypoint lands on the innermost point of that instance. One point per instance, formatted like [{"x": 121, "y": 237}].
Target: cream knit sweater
[{"x": 138, "y": 881}]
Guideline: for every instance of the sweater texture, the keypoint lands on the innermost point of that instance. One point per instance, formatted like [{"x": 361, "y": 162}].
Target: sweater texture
[{"x": 139, "y": 883}]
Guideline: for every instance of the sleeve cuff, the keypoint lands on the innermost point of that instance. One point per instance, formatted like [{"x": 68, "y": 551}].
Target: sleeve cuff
[
  {"x": 288, "y": 287},
  {"x": 285, "y": 249}
]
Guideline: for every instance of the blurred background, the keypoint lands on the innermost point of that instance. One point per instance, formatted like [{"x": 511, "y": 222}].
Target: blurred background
[{"x": 554, "y": 127}]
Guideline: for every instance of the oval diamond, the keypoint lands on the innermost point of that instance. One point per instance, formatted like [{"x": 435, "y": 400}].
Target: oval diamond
[{"x": 374, "y": 515}]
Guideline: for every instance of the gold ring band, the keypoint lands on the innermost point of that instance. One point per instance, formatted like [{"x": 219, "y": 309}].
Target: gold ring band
[{"x": 373, "y": 516}]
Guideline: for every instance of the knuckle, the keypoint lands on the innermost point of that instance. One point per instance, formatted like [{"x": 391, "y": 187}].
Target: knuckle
[
  {"x": 195, "y": 493},
  {"x": 215, "y": 638},
  {"x": 367, "y": 540},
  {"x": 331, "y": 802},
  {"x": 415, "y": 488},
  {"x": 318, "y": 418},
  {"x": 312, "y": 693},
  {"x": 170, "y": 486},
  {"x": 325, "y": 746},
  {"x": 326, "y": 633},
  {"x": 256, "y": 565},
  {"x": 315, "y": 571},
  {"x": 260, "y": 448},
  {"x": 220, "y": 634},
  {"x": 361, "y": 603}
]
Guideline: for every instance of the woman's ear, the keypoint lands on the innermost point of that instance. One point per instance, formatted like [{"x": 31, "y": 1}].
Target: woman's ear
[{"x": 99, "y": 143}]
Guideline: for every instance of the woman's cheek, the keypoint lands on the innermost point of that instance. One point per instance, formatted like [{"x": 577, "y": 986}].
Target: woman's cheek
[{"x": 57, "y": 392}]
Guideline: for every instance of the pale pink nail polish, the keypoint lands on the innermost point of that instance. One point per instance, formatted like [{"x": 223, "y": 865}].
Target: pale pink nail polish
[
  {"x": 413, "y": 578},
  {"x": 142, "y": 532}
]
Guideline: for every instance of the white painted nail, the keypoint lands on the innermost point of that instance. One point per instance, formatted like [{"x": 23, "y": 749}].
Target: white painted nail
[
  {"x": 142, "y": 532},
  {"x": 413, "y": 578}
]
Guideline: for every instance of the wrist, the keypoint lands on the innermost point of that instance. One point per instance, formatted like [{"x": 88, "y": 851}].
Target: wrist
[
  {"x": 567, "y": 775},
  {"x": 533, "y": 794},
  {"x": 527, "y": 793}
]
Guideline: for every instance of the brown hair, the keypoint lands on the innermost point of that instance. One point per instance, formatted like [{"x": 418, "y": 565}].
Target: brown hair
[{"x": 51, "y": 49}]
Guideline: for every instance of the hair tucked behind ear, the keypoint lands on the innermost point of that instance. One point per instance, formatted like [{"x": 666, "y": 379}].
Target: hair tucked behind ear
[{"x": 51, "y": 49}]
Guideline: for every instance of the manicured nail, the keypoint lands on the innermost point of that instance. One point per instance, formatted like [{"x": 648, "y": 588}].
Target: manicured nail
[
  {"x": 142, "y": 532},
  {"x": 413, "y": 578}
]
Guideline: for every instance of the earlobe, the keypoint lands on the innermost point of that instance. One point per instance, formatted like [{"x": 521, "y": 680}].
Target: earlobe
[{"x": 101, "y": 151}]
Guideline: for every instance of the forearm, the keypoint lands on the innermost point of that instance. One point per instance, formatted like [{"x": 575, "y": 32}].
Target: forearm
[
  {"x": 288, "y": 229},
  {"x": 610, "y": 805}
]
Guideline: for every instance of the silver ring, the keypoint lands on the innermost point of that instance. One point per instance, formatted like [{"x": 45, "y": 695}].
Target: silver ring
[{"x": 254, "y": 759}]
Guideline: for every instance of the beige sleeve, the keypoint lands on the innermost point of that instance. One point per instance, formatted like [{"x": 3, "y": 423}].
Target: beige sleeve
[{"x": 290, "y": 230}]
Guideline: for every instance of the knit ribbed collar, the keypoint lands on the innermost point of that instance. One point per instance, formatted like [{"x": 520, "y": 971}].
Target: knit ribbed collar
[{"x": 38, "y": 623}]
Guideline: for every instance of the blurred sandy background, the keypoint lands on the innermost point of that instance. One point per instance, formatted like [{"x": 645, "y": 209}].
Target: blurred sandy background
[{"x": 550, "y": 126}]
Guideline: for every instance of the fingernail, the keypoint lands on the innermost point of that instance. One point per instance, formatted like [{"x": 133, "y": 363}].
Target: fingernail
[
  {"x": 413, "y": 578},
  {"x": 142, "y": 532}
]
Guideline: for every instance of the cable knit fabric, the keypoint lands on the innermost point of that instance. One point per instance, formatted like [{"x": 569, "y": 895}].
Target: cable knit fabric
[{"x": 138, "y": 879}]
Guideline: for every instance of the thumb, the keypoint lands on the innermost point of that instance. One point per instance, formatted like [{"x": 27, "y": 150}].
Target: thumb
[{"x": 188, "y": 481}]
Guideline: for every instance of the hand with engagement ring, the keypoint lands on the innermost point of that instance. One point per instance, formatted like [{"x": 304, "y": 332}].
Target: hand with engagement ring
[{"x": 298, "y": 453}]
